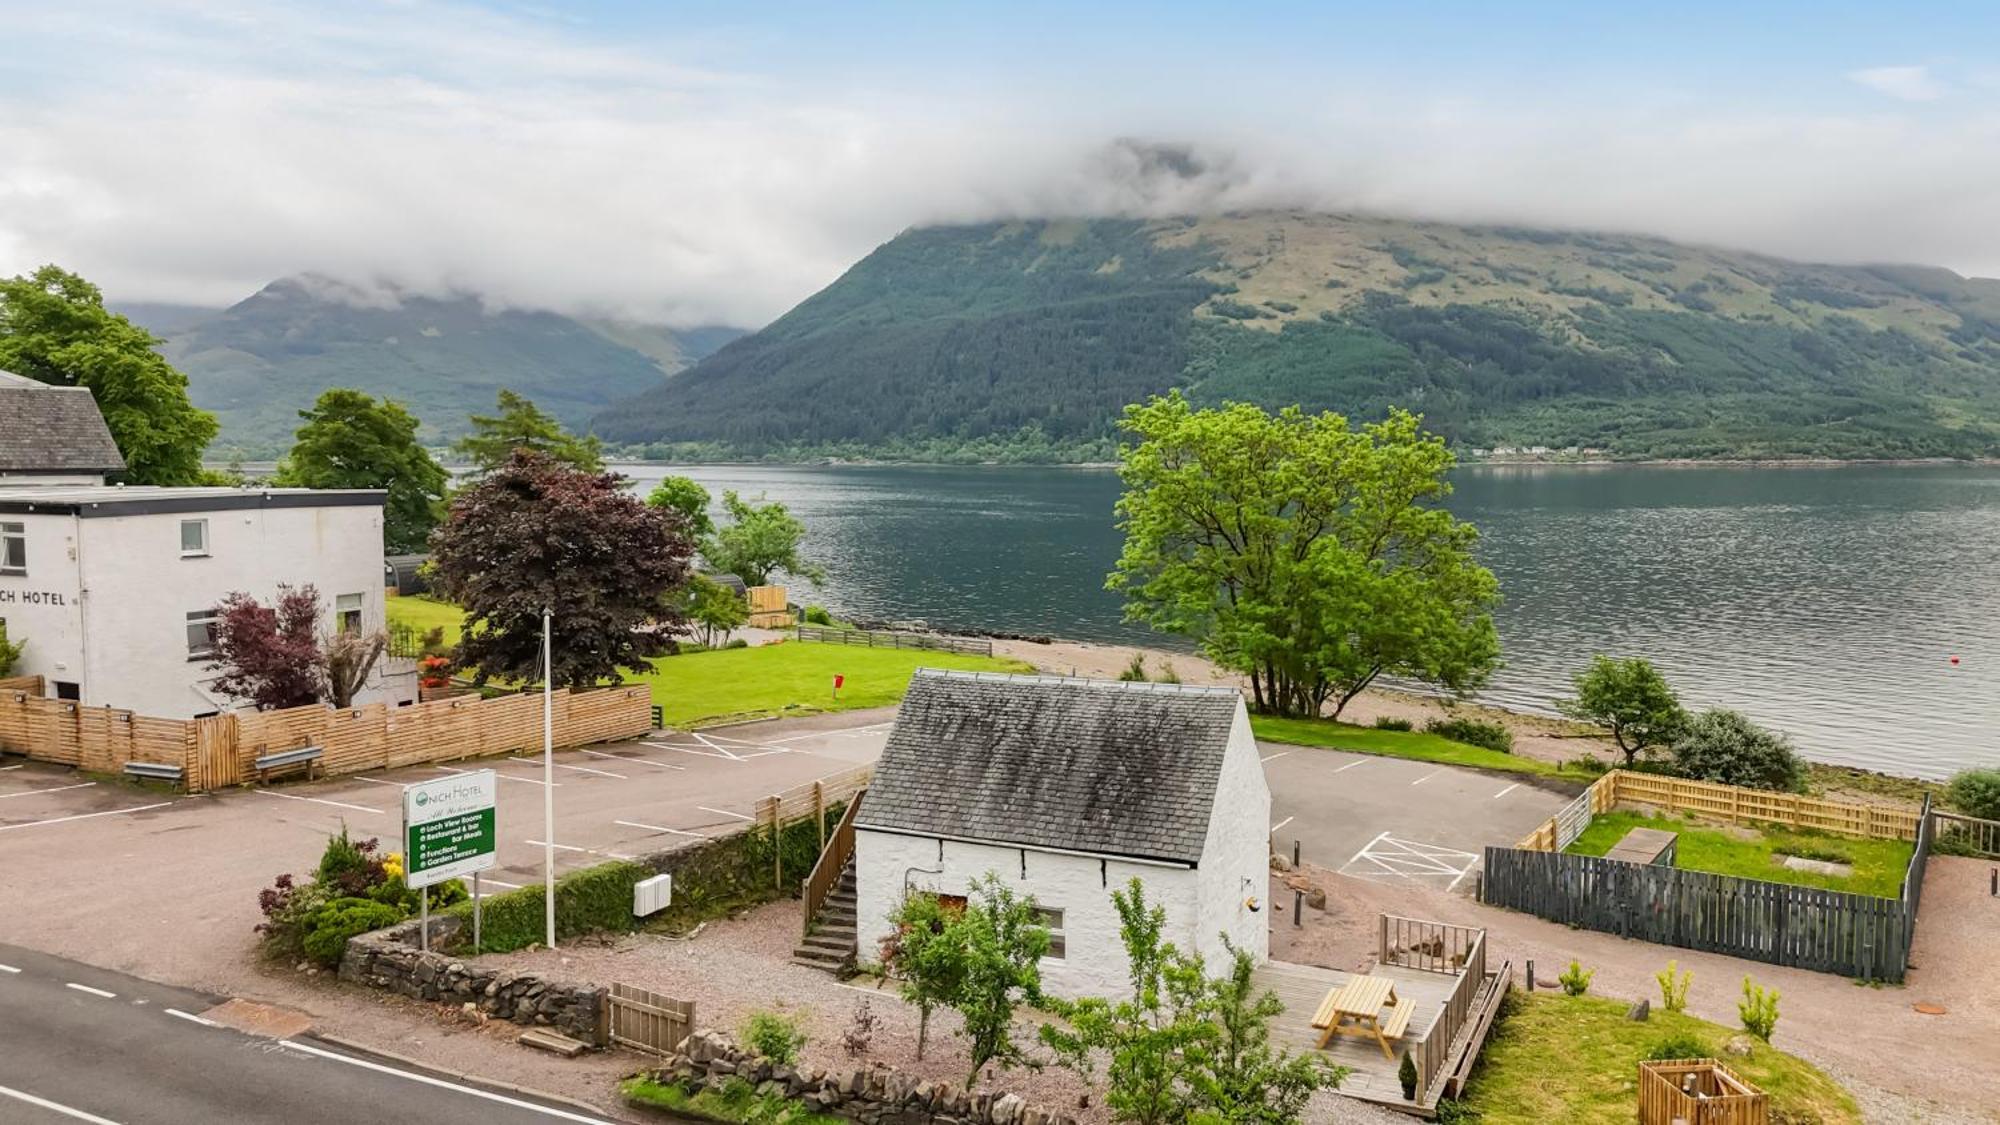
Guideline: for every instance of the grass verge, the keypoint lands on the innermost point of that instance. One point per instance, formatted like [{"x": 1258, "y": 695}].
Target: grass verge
[
  {"x": 736, "y": 1102},
  {"x": 1415, "y": 745},
  {"x": 1576, "y": 1059},
  {"x": 1753, "y": 853}
]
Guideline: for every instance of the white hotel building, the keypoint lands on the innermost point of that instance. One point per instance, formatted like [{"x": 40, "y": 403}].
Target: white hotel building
[{"x": 114, "y": 588}]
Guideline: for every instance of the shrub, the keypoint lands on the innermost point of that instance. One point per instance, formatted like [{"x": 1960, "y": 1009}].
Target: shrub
[
  {"x": 1674, "y": 986},
  {"x": 1725, "y": 746},
  {"x": 1759, "y": 1010},
  {"x": 817, "y": 615},
  {"x": 1588, "y": 764},
  {"x": 1135, "y": 672},
  {"x": 1168, "y": 675},
  {"x": 1575, "y": 980},
  {"x": 860, "y": 1030},
  {"x": 736, "y": 642},
  {"x": 327, "y": 928},
  {"x": 1976, "y": 793},
  {"x": 1390, "y": 722},
  {"x": 774, "y": 1035},
  {"x": 1473, "y": 732},
  {"x": 592, "y": 900},
  {"x": 350, "y": 865},
  {"x": 1679, "y": 1045}
]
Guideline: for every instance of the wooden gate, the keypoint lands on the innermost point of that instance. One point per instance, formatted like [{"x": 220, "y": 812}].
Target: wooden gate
[{"x": 646, "y": 1020}]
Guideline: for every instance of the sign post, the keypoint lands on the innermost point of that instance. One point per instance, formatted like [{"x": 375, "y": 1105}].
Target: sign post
[{"x": 448, "y": 831}]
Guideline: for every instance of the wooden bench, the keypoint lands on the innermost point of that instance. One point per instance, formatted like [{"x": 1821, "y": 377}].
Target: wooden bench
[
  {"x": 1646, "y": 845},
  {"x": 1399, "y": 1021},
  {"x": 286, "y": 759},
  {"x": 154, "y": 771}
]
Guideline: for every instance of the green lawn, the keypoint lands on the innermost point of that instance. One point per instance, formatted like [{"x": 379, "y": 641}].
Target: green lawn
[
  {"x": 794, "y": 677},
  {"x": 1402, "y": 744},
  {"x": 1576, "y": 1060},
  {"x": 1878, "y": 864},
  {"x": 424, "y": 614}
]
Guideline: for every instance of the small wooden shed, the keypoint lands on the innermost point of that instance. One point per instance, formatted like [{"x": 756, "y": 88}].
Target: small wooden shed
[{"x": 1698, "y": 1092}]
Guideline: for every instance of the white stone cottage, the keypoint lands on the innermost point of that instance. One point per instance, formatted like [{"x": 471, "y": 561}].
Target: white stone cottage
[{"x": 1067, "y": 789}]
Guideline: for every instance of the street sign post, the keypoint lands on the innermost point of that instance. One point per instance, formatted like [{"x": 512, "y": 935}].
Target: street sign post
[{"x": 448, "y": 831}]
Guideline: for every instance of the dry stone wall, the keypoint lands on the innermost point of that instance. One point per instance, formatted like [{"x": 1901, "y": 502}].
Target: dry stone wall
[{"x": 389, "y": 959}]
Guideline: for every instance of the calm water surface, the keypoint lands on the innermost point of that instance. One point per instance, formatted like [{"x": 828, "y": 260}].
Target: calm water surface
[{"x": 1826, "y": 602}]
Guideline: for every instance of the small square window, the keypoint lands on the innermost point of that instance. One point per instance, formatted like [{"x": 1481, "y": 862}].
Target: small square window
[
  {"x": 347, "y": 613},
  {"x": 1053, "y": 919},
  {"x": 13, "y": 549},
  {"x": 201, "y": 633},
  {"x": 194, "y": 538}
]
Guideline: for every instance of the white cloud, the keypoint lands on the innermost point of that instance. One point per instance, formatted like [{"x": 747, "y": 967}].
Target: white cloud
[
  {"x": 203, "y": 150},
  {"x": 1910, "y": 83}
]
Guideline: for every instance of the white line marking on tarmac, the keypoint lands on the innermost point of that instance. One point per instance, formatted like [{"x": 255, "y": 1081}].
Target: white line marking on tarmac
[
  {"x": 574, "y": 848},
  {"x": 1283, "y": 822},
  {"x": 1427, "y": 777},
  {"x": 725, "y": 812},
  {"x": 483, "y": 880},
  {"x": 546, "y": 1111},
  {"x": 92, "y": 991},
  {"x": 57, "y": 1107},
  {"x": 51, "y": 789},
  {"x": 690, "y": 750},
  {"x": 317, "y": 801},
  {"x": 504, "y": 777},
  {"x": 1275, "y": 757},
  {"x": 657, "y": 828},
  {"x": 871, "y": 728},
  {"x": 191, "y": 1018},
  {"x": 379, "y": 781},
  {"x": 722, "y": 750},
  {"x": 578, "y": 769},
  {"x": 1365, "y": 847},
  {"x": 1351, "y": 765},
  {"x": 1506, "y": 791},
  {"x": 83, "y": 816},
  {"x": 8, "y": 969},
  {"x": 15, "y": 766},
  {"x": 635, "y": 761}
]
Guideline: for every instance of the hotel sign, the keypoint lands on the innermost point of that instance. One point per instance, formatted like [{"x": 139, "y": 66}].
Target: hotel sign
[{"x": 448, "y": 827}]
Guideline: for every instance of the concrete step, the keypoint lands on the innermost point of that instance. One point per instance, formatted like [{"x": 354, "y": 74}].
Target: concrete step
[
  {"x": 816, "y": 959},
  {"x": 830, "y": 942}
]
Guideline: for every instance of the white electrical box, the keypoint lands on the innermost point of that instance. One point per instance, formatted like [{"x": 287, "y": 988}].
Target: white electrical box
[{"x": 650, "y": 896}]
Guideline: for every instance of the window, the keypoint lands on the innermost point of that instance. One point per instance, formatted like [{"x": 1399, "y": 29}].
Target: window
[
  {"x": 1053, "y": 919},
  {"x": 194, "y": 538},
  {"x": 67, "y": 689},
  {"x": 347, "y": 613},
  {"x": 201, "y": 633},
  {"x": 13, "y": 548}
]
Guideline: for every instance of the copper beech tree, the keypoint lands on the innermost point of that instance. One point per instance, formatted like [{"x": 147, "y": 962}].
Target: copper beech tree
[
  {"x": 535, "y": 532},
  {"x": 276, "y": 656}
]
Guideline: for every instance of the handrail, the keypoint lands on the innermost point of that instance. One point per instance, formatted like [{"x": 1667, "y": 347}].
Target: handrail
[
  {"x": 1435, "y": 1050},
  {"x": 1430, "y": 947},
  {"x": 832, "y": 861},
  {"x": 1981, "y": 836}
]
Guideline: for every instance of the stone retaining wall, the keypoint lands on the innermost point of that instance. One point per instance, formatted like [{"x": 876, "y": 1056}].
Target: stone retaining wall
[
  {"x": 389, "y": 959},
  {"x": 874, "y": 1095}
]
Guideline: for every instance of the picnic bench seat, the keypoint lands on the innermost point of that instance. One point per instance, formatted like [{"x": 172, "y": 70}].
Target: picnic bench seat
[
  {"x": 153, "y": 771},
  {"x": 1399, "y": 1021},
  {"x": 284, "y": 759}
]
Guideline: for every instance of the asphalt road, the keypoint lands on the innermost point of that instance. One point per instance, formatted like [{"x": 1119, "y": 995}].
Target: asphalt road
[{"x": 83, "y": 1044}]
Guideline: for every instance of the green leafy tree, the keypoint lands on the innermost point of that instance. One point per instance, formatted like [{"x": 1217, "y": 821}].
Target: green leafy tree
[
  {"x": 925, "y": 955},
  {"x": 1630, "y": 699},
  {"x": 1725, "y": 746},
  {"x": 686, "y": 496},
  {"x": 1001, "y": 939},
  {"x": 759, "y": 541},
  {"x": 54, "y": 327},
  {"x": 1974, "y": 792},
  {"x": 1237, "y": 1075},
  {"x": 713, "y": 610},
  {"x": 536, "y": 532},
  {"x": 350, "y": 440},
  {"x": 1309, "y": 555},
  {"x": 520, "y": 424},
  {"x": 10, "y": 651}
]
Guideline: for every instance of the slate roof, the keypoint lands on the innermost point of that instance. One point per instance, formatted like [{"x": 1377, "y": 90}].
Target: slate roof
[
  {"x": 46, "y": 428},
  {"x": 1082, "y": 765}
]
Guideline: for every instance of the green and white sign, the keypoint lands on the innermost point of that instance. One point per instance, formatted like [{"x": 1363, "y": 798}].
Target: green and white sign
[{"x": 448, "y": 827}]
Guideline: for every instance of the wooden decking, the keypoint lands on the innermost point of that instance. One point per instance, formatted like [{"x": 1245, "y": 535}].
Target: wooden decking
[{"x": 1371, "y": 1077}]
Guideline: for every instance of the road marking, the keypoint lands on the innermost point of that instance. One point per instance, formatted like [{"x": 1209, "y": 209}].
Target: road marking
[
  {"x": 504, "y": 777},
  {"x": 657, "y": 828},
  {"x": 1276, "y": 756},
  {"x": 579, "y": 769},
  {"x": 51, "y": 789},
  {"x": 483, "y": 880},
  {"x": 725, "y": 755},
  {"x": 574, "y": 848},
  {"x": 737, "y": 741},
  {"x": 635, "y": 761},
  {"x": 57, "y": 1107},
  {"x": 722, "y": 750},
  {"x": 83, "y": 816},
  {"x": 180, "y": 1015},
  {"x": 1388, "y": 859},
  {"x": 1364, "y": 850},
  {"x": 18, "y": 765},
  {"x": 1351, "y": 765},
  {"x": 1282, "y": 823},
  {"x": 847, "y": 731},
  {"x": 725, "y": 812},
  {"x": 317, "y": 801},
  {"x": 546, "y": 1111},
  {"x": 1506, "y": 791},
  {"x": 8, "y": 969},
  {"x": 379, "y": 781},
  {"x": 1427, "y": 776},
  {"x": 93, "y": 991}
]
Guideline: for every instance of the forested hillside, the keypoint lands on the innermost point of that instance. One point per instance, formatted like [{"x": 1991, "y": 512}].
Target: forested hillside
[{"x": 1024, "y": 340}]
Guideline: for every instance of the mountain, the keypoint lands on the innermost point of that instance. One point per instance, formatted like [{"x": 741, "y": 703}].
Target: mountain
[
  {"x": 162, "y": 318},
  {"x": 1024, "y": 340},
  {"x": 261, "y": 361}
]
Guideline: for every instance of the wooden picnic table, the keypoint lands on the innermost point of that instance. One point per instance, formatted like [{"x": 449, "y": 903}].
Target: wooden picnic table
[{"x": 1360, "y": 1000}]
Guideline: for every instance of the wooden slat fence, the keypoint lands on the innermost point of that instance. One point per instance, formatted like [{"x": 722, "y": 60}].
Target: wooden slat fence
[
  {"x": 810, "y": 799},
  {"x": 1428, "y": 947},
  {"x": 927, "y": 641},
  {"x": 1697, "y": 1092},
  {"x": 1967, "y": 833},
  {"x": 1722, "y": 802},
  {"x": 29, "y": 684},
  {"x": 646, "y": 1021}
]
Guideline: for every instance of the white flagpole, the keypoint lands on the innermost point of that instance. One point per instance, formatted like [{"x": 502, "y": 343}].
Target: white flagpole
[{"x": 548, "y": 777}]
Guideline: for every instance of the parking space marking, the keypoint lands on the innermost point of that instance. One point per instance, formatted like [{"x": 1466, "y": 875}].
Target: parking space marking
[
  {"x": 1351, "y": 765},
  {"x": 504, "y": 777},
  {"x": 691, "y": 750},
  {"x": 83, "y": 816},
  {"x": 1283, "y": 822},
  {"x": 318, "y": 801},
  {"x": 15, "y": 766},
  {"x": 188, "y": 1016},
  {"x": 578, "y": 769},
  {"x": 483, "y": 880},
  {"x": 50, "y": 789},
  {"x": 1387, "y": 859},
  {"x": 725, "y": 812},
  {"x": 379, "y": 781},
  {"x": 97, "y": 992},
  {"x": 1506, "y": 791},
  {"x": 847, "y": 732},
  {"x": 657, "y": 828},
  {"x": 54, "y": 1107},
  {"x": 635, "y": 761},
  {"x": 8, "y": 969},
  {"x": 574, "y": 848},
  {"x": 710, "y": 743},
  {"x": 1427, "y": 777},
  {"x": 1275, "y": 757}
]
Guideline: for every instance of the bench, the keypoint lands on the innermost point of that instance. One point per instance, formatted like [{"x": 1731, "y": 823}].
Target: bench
[
  {"x": 154, "y": 771},
  {"x": 1646, "y": 845},
  {"x": 285, "y": 759},
  {"x": 1399, "y": 1021}
]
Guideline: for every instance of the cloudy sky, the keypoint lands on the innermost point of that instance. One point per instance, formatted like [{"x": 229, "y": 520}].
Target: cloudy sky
[{"x": 695, "y": 163}]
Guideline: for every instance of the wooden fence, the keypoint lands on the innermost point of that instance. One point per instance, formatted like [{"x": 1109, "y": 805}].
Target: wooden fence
[
  {"x": 1722, "y": 802},
  {"x": 32, "y": 685},
  {"x": 1966, "y": 834},
  {"x": 833, "y": 857},
  {"x": 811, "y": 799},
  {"x": 646, "y": 1021},
  {"x": 1697, "y": 1092},
  {"x": 1436, "y": 947},
  {"x": 927, "y": 641},
  {"x": 222, "y": 750}
]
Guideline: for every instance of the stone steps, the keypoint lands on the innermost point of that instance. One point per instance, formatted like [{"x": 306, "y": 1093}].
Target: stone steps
[{"x": 832, "y": 944}]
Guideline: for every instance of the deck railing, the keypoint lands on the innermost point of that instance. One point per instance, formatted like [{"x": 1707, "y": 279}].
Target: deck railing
[
  {"x": 1429, "y": 947},
  {"x": 832, "y": 861},
  {"x": 1434, "y": 1051},
  {"x": 1966, "y": 834}
]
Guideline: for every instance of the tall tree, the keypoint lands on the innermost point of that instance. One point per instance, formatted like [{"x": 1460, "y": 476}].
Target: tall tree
[
  {"x": 54, "y": 327},
  {"x": 686, "y": 496},
  {"x": 520, "y": 424},
  {"x": 269, "y": 656},
  {"x": 350, "y": 440},
  {"x": 1313, "y": 557},
  {"x": 759, "y": 541},
  {"x": 1630, "y": 699},
  {"x": 1002, "y": 941},
  {"x": 925, "y": 957},
  {"x": 536, "y": 532},
  {"x": 713, "y": 611}
]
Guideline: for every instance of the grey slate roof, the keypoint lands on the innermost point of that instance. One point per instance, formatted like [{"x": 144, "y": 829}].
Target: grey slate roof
[
  {"x": 45, "y": 428},
  {"x": 1082, "y": 765}
]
